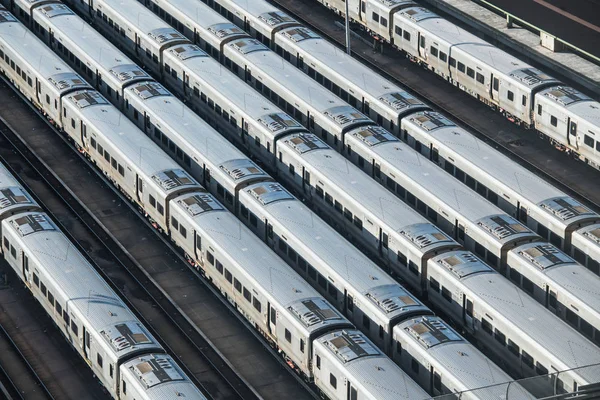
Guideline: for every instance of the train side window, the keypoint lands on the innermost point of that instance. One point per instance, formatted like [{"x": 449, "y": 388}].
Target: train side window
[
  {"x": 414, "y": 365},
  {"x": 500, "y": 337},
  {"x": 486, "y": 326},
  {"x": 553, "y": 120},
  {"x": 247, "y": 295},
  {"x": 434, "y": 284},
  {"x": 74, "y": 328},
  {"x": 383, "y": 21},
  {"x": 288, "y": 336},
  {"x": 496, "y": 84},
  {"x": 36, "y": 280},
  {"x": 333, "y": 381},
  {"x": 375, "y": 17},
  {"x": 210, "y": 258},
  {"x": 406, "y": 35},
  {"x": 402, "y": 259},
  {"x": 43, "y": 289},
  {"x": 588, "y": 141},
  {"x": 413, "y": 268},
  {"x": 433, "y": 51},
  {"x": 452, "y": 62},
  {"x": 586, "y": 328},
  {"x": 318, "y": 362},
  {"x": 470, "y": 72},
  {"x": 527, "y": 285},
  {"x": 6, "y": 243},
  {"x": 446, "y": 295},
  {"x": 302, "y": 345},
  {"x": 524, "y": 100},
  {"x": 99, "y": 360},
  {"x": 219, "y": 266},
  {"x": 66, "y": 317},
  {"x": 593, "y": 266},
  {"x": 539, "y": 109},
  {"x": 366, "y": 322},
  {"x": 58, "y": 308},
  {"x": 479, "y": 77},
  {"x": 228, "y": 276},
  {"x": 443, "y": 56},
  {"x": 515, "y": 276},
  {"x": 572, "y": 318},
  {"x": 513, "y": 348},
  {"x": 237, "y": 285},
  {"x": 540, "y": 369},
  {"x": 552, "y": 301},
  {"x": 398, "y": 30}
]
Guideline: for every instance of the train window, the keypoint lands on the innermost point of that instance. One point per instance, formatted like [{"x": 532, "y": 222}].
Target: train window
[
  {"x": 358, "y": 223},
  {"x": 513, "y": 348},
  {"x": 500, "y": 337},
  {"x": 470, "y": 72},
  {"x": 555, "y": 239},
  {"x": 174, "y": 73},
  {"x": 410, "y": 198},
  {"x": 524, "y": 100},
  {"x": 446, "y": 294},
  {"x": 361, "y": 162},
  {"x": 527, "y": 359},
  {"x": 366, "y": 322},
  {"x": 333, "y": 381},
  {"x": 36, "y": 280},
  {"x": 579, "y": 255},
  {"x": 237, "y": 285},
  {"x": 413, "y": 268},
  {"x": 302, "y": 264},
  {"x": 210, "y": 258},
  {"x": 111, "y": 370},
  {"x": 99, "y": 360},
  {"x": 348, "y": 214},
  {"x": 422, "y": 207},
  {"x": 540, "y": 369},
  {"x": 253, "y": 220},
  {"x": 479, "y": 78},
  {"x": 247, "y": 295},
  {"x": 66, "y": 317},
  {"x": 492, "y": 197},
  {"x": 398, "y": 30},
  {"x": 383, "y": 21},
  {"x": 29, "y": 82},
  {"x": 319, "y": 191},
  {"x": 433, "y": 51},
  {"x": 121, "y": 170},
  {"x": 43, "y": 288},
  {"x": 292, "y": 254},
  {"x": 93, "y": 143},
  {"x": 539, "y": 109},
  {"x": 443, "y": 56},
  {"x": 107, "y": 156},
  {"x": 389, "y": 182},
  {"x": 469, "y": 308},
  {"x": 470, "y": 181},
  {"x": 515, "y": 276},
  {"x": 47, "y": 99},
  {"x": 228, "y": 276},
  {"x": 51, "y": 299},
  {"x": 384, "y": 240},
  {"x": 553, "y": 120},
  {"x": 480, "y": 250},
  {"x": 244, "y": 211},
  {"x": 422, "y": 42},
  {"x": 183, "y": 231},
  {"x": 486, "y": 326},
  {"x": 350, "y": 303},
  {"x": 318, "y": 362},
  {"x": 586, "y": 328},
  {"x": 402, "y": 259},
  {"x": 434, "y": 284},
  {"x": 593, "y": 266},
  {"x": 58, "y": 308},
  {"x": 406, "y": 35},
  {"x": 332, "y": 291},
  {"x": 13, "y": 252},
  {"x": 160, "y": 208},
  {"x": 452, "y": 62},
  {"x": 312, "y": 272},
  {"x": 400, "y": 191},
  {"x": 124, "y": 386},
  {"x": 588, "y": 140},
  {"x": 572, "y": 318},
  {"x": 414, "y": 365},
  {"x": 229, "y": 197},
  {"x": 6, "y": 243},
  {"x": 552, "y": 301},
  {"x": 219, "y": 266},
  {"x": 288, "y": 336},
  {"x": 74, "y": 328},
  {"x": 113, "y": 163},
  {"x": 322, "y": 281},
  {"x": 510, "y": 95},
  {"x": 151, "y": 199}
]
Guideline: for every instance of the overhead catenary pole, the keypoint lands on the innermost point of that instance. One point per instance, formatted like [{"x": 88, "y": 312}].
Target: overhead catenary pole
[{"x": 348, "y": 50}]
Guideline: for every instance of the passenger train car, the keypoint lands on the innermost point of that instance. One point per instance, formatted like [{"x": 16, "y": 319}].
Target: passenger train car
[
  {"x": 105, "y": 333},
  {"x": 491, "y": 75},
  {"x": 178, "y": 222},
  {"x": 284, "y": 308}
]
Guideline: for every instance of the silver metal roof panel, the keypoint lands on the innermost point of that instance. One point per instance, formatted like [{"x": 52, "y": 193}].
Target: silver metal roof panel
[
  {"x": 430, "y": 120},
  {"x": 248, "y": 45},
  {"x": 154, "y": 369},
  {"x": 565, "y": 208},
  {"x": 127, "y": 72},
  {"x": 300, "y": 33},
  {"x": 418, "y": 14},
  {"x": 543, "y": 255},
  {"x": 269, "y": 192},
  {"x": 88, "y": 98},
  {"x": 344, "y": 115},
  {"x": 463, "y": 264},
  {"x": 305, "y": 143},
  {"x": 392, "y": 298},
  {"x": 432, "y": 331},
  {"x": 241, "y": 168},
  {"x": 373, "y": 135},
  {"x": 593, "y": 234},
  {"x": 531, "y": 76},
  {"x": 67, "y": 80},
  {"x": 126, "y": 335},
  {"x": 148, "y": 90},
  {"x": 425, "y": 234},
  {"x": 350, "y": 345},
  {"x": 198, "y": 203},
  {"x": 565, "y": 95},
  {"x": 276, "y": 122},
  {"x": 52, "y": 10},
  {"x": 400, "y": 100},
  {"x": 10, "y": 196},
  {"x": 166, "y": 34},
  {"x": 314, "y": 311},
  {"x": 32, "y": 223},
  {"x": 274, "y": 18},
  {"x": 187, "y": 51},
  {"x": 6, "y": 16},
  {"x": 503, "y": 226},
  {"x": 226, "y": 29},
  {"x": 173, "y": 178}
]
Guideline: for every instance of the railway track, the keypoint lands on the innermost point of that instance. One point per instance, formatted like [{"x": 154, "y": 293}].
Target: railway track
[
  {"x": 471, "y": 115},
  {"x": 221, "y": 351},
  {"x": 199, "y": 359}
]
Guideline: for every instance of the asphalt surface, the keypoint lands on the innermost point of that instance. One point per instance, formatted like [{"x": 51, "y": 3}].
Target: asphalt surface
[{"x": 575, "y": 21}]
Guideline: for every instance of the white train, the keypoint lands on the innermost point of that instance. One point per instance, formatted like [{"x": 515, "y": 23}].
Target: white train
[
  {"x": 95, "y": 321},
  {"x": 524, "y": 94},
  {"x": 173, "y": 130},
  {"x": 284, "y": 308}
]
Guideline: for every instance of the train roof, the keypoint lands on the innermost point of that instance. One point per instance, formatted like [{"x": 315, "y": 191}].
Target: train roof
[
  {"x": 40, "y": 58},
  {"x": 359, "y": 188},
  {"x": 262, "y": 13},
  {"x": 68, "y": 27},
  {"x": 244, "y": 101},
  {"x": 462, "y": 40},
  {"x": 203, "y": 143},
  {"x": 316, "y": 98},
  {"x": 438, "y": 185},
  {"x": 511, "y": 178},
  {"x": 527, "y": 318},
  {"x": 12, "y": 195},
  {"x": 367, "y": 368},
  {"x": 576, "y": 102},
  {"x": 391, "y": 4},
  {"x": 279, "y": 283},
  {"x": 103, "y": 119},
  {"x": 339, "y": 259},
  {"x": 79, "y": 283},
  {"x": 158, "y": 377},
  {"x": 362, "y": 80},
  {"x": 453, "y": 356},
  {"x": 142, "y": 20},
  {"x": 572, "y": 278}
]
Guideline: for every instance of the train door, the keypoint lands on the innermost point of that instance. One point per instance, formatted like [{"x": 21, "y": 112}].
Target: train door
[
  {"x": 86, "y": 343},
  {"x": 140, "y": 189},
  {"x": 352, "y": 392},
  {"x": 422, "y": 46},
  {"x": 362, "y": 11},
  {"x": 468, "y": 312},
  {"x": 137, "y": 45},
  {"x": 25, "y": 268},
  {"x": 551, "y": 300},
  {"x": 435, "y": 382},
  {"x": 572, "y": 134},
  {"x": 197, "y": 246},
  {"x": 91, "y": 9},
  {"x": 494, "y": 89},
  {"x": 272, "y": 319}
]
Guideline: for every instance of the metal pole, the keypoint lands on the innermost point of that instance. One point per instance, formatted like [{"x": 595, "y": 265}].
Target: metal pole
[{"x": 348, "y": 50}]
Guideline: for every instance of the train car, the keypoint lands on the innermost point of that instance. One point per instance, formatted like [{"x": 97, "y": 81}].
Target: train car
[
  {"x": 375, "y": 218},
  {"x": 205, "y": 154},
  {"x": 564, "y": 286},
  {"x": 23, "y": 9},
  {"x": 126, "y": 156},
  {"x": 585, "y": 247},
  {"x": 355, "y": 83},
  {"x": 88, "y": 313},
  {"x": 571, "y": 120},
  {"x": 147, "y": 39},
  {"x": 444, "y": 363},
  {"x": 357, "y": 287},
  {"x": 33, "y": 69},
  {"x": 274, "y": 298},
  {"x": 103, "y": 65},
  {"x": 529, "y": 339},
  {"x": 13, "y": 198},
  {"x": 549, "y": 212},
  {"x": 349, "y": 367},
  {"x": 472, "y": 221},
  {"x": 155, "y": 377}
]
